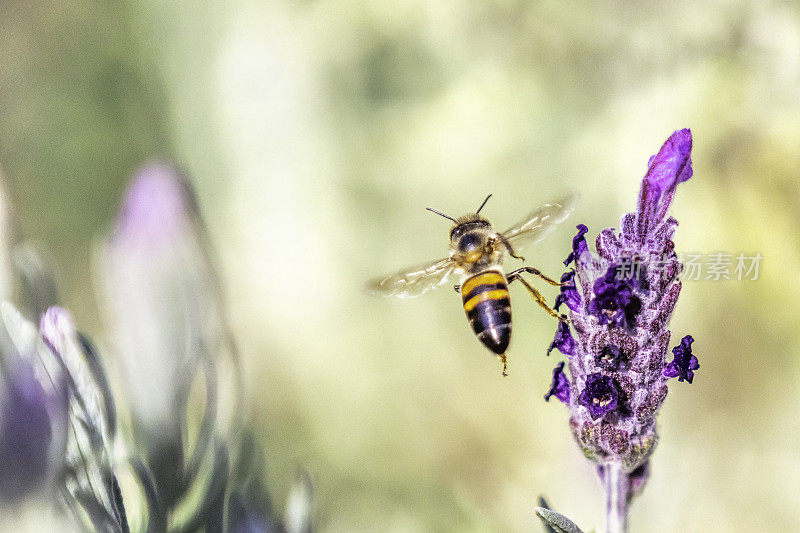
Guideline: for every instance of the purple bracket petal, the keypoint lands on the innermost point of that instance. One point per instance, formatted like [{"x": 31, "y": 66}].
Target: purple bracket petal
[
  {"x": 560, "y": 385},
  {"x": 579, "y": 245},
  {"x": 569, "y": 294},
  {"x": 669, "y": 167},
  {"x": 563, "y": 340}
]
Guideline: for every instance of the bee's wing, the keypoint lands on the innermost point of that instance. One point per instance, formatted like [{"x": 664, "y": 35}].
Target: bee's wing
[
  {"x": 413, "y": 281},
  {"x": 538, "y": 224}
]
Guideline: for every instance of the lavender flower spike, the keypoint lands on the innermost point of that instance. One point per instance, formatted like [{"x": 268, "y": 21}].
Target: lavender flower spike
[{"x": 620, "y": 305}]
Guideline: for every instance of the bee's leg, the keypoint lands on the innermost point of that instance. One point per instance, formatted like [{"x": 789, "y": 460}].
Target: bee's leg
[
  {"x": 509, "y": 247},
  {"x": 537, "y": 296},
  {"x": 457, "y": 288},
  {"x": 535, "y": 271},
  {"x": 505, "y": 364}
]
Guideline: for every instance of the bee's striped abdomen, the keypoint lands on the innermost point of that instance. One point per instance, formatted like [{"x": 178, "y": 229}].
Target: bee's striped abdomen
[{"x": 488, "y": 308}]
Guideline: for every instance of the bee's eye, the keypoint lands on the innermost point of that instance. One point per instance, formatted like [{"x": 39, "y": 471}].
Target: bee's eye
[{"x": 470, "y": 243}]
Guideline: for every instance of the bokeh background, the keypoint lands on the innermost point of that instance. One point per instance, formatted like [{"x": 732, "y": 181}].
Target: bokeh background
[{"x": 316, "y": 132}]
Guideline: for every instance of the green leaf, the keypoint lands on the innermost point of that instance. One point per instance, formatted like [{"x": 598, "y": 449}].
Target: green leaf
[{"x": 553, "y": 521}]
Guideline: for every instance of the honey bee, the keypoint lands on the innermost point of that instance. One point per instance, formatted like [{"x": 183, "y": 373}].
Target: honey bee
[{"x": 476, "y": 255}]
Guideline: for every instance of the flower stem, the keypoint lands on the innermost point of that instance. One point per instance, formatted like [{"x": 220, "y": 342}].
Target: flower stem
[{"x": 615, "y": 483}]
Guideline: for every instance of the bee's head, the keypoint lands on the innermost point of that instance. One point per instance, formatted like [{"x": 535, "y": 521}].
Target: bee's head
[
  {"x": 469, "y": 237},
  {"x": 470, "y": 234}
]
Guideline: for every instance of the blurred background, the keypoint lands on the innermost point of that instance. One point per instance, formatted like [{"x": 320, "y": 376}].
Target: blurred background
[{"x": 316, "y": 132}]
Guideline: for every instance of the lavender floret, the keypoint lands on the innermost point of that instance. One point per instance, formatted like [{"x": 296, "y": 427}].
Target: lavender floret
[
  {"x": 563, "y": 340},
  {"x": 569, "y": 292},
  {"x": 560, "y": 386},
  {"x": 615, "y": 301},
  {"x": 684, "y": 362},
  {"x": 600, "y": 395},
  {"x": 578, "y": 245}
]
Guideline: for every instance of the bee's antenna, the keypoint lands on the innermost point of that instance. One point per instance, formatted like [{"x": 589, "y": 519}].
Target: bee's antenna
[
  {"x": 440, "y": 214},
  {"x": 483, "y": 204}
]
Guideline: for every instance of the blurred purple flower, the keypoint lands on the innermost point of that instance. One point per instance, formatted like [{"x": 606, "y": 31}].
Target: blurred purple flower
[
  {"x": 88, "y": 475},
  {"x": 57, "y": 411},
  {"x": 160, "y": 293},
  {"x": 33, "y": 412},
  {"x": 156, "y": 208},
  {"x": 166, "y": 316},
  {"x": 26, "y": 434},
  {"x": 91, "y": 402}
]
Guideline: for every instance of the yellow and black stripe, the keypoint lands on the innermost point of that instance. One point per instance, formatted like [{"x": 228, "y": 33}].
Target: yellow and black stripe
[{"x": 488, "y": 307}]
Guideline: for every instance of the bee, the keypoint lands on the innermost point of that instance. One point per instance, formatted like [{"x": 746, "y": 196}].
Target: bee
[{"x": 476, "y": 255}]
